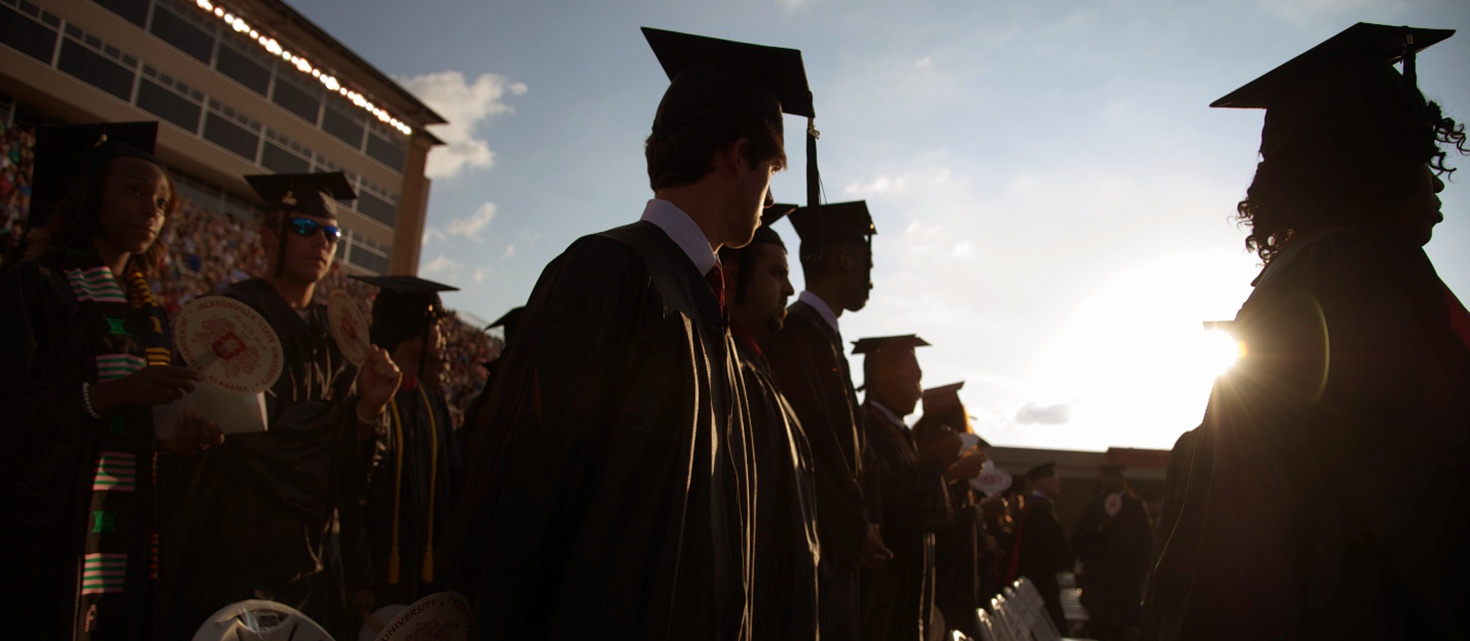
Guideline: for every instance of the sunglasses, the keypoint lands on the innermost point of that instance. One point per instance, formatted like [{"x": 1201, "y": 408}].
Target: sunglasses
[{"x": 309, "y": 227}]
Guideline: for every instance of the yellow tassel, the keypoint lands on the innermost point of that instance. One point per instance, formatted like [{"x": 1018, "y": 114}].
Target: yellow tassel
[
  {"x": 393, "y": 565},
  {"x": 427, "y": 576}
]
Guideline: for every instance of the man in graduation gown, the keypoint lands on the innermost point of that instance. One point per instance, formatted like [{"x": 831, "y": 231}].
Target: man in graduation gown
[
  {"x": 958, "y": 547},
  {"x": 809, "y": 360},
  {"x": 905, "y": 480},
  {"x": 611, "y": 491},
  {"x": 1041, "y": 550},
  {"x": 785, "y": 587},
  {"x": 1323, "y": 495},
  {"x": 414, "y": 485},
  {"x": 1114, "y": 542},
  {"x": 258, "y": 517}
]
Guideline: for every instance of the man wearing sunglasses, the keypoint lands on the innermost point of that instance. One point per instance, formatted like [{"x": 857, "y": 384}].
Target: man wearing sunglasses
[{"x": 257, "y": 519}]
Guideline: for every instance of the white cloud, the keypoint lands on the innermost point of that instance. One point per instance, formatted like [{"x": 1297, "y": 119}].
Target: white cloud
[
  {"x": 791, "y": 5},
  {"x": 510, "y": 250},
  {"x": 882, "y": 185},
  {"x": 480, "y": 274},
  {"x": 442, "y": 265},
  {"x": 465, "y": 105},
  {"x": 927, "y": 62},
  {"x": 470, "y": 226},
  {"x": 1036, "y": 414}
]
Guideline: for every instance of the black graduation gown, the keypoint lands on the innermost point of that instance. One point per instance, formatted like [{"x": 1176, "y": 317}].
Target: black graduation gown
[
  {"x": 807, "y": 358},
  {"x": 898, "y": 596},
  {"x": 1324, "y": 493},
  {"x": 257, "y": 517},
  {"x": 1043, "y": 551},
  {"x": 49, "y": 462},
  {"x": 956, "y": 557},
  {"x": 786, "y": 510},
  {"x": 429, "y": 458},
  {"x": 1115, "y": 557},
  {"x": 609, "y": 490}
]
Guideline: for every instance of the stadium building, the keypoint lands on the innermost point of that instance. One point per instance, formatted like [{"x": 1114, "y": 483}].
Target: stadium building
[{"x": 239, "y": 87}]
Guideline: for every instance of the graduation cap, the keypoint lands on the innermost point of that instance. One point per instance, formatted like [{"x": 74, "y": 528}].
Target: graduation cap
[
  {"x": 822, "y": 226},
  {"x": 64, "y": 151},
  {"x": 710, "y": 76},
  {"x": 509, "y": 321},
  {"x": 1115, "y": 469},
  {"x": 406, "y": 306},
  {"x": 1041, "y": 471},
  {"x": 1362, "y": 43},
  {"x": 872, "y": 346},
  {"x": 942, "y": 398},
  {"x": 311, "y": 194}
]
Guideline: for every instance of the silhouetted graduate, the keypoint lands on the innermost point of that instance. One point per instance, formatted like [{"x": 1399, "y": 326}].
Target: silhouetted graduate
[
  {"x": 612, "y": 488},
  {"x": 785, "y": 605},
  {"x": 1356, "y": 371}
]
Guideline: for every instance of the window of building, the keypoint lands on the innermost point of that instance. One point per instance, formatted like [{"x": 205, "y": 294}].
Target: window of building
[
  {"x": 388, "y": 152},
  {"x": 95, "y": 69},
  {"x": 165, "y": 103},
  {"x": 302, "y": 102},
  {"x": 377, "y": 208},
  {"x": 281, "y": 161},
  {"x": 371, "y": 259},
  {"x": 244, "y": 69},
  {"x": 26, "y": 35},
  {"x": 181, "y": 33},
  {"x": 229, "y": 134},
  {"x": 346, "y": 127},
  {"x": 134, "y": 11}
]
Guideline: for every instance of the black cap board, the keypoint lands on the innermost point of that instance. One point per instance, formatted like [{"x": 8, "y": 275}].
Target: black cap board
[
  {"x": 1382, "y": 44},
  {"x": 776, "y": 212},
  {"x": 711, "y": 76},
  {"x": 1112, "y": 468},
  {"x": 508, "y": 321},
  {"x": 312, "y": 194},
  {"x": 1041, "y": 471},
  {"x": 822, "y": 226},
  {"x": 62, "y": 151},
  {"x": 406, "y": 306},
  {"x": 944, "y": 397},
  {"x": 870, "y": 346}
]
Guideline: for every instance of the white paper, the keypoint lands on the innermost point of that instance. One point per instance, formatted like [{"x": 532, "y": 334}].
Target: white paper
[{"x": 233, "y": 412}]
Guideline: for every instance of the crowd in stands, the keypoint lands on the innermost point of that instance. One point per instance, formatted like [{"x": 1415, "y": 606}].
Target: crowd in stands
[{"x": 209, "y": 249}]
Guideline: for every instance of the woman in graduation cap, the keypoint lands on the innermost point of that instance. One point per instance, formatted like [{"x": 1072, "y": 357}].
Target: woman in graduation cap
[
  {"x": 413, "y": 489},
  {"x": 86, "y": 352},
  {"x": 1356, "y": 377}
]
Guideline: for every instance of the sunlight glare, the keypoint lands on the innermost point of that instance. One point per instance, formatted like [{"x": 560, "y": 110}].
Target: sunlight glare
[{"x": 1220, "y": 351}]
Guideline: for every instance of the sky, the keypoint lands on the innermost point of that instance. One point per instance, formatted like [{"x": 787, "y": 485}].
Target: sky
[{"x": 1054, "y": 199}]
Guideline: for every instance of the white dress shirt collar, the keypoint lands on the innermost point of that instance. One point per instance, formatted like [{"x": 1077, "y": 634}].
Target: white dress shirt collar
[
  {"x": 681, "y": 229},
  {"x": 815, "y": 302},
  {"x": 889, "y": 413}
]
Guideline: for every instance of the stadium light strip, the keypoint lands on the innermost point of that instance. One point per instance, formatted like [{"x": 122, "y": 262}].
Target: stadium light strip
[{"x": 303, "y": 65}]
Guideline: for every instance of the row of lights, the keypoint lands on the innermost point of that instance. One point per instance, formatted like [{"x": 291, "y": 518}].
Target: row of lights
[{"x": 303, "y": 65}]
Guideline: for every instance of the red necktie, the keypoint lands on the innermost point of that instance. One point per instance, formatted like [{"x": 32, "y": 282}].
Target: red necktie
[{"x": 716, "y": 280}]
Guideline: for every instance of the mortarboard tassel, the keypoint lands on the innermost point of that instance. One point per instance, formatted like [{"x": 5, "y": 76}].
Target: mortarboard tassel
[
  {"x": 426, "y": 572},
  {"x": 813, "y": 177},
  {"x": 397, "y": 491},
  {"x": 1411, "y": 73}
]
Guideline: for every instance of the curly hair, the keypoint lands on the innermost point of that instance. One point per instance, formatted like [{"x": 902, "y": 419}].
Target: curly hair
[
  {"x": 75, "y": 218},
  {"x": 1342, "y": 149}
]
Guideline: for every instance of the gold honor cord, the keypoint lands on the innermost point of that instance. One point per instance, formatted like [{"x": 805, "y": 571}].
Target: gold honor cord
[{"x": 426, "y": 573}]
